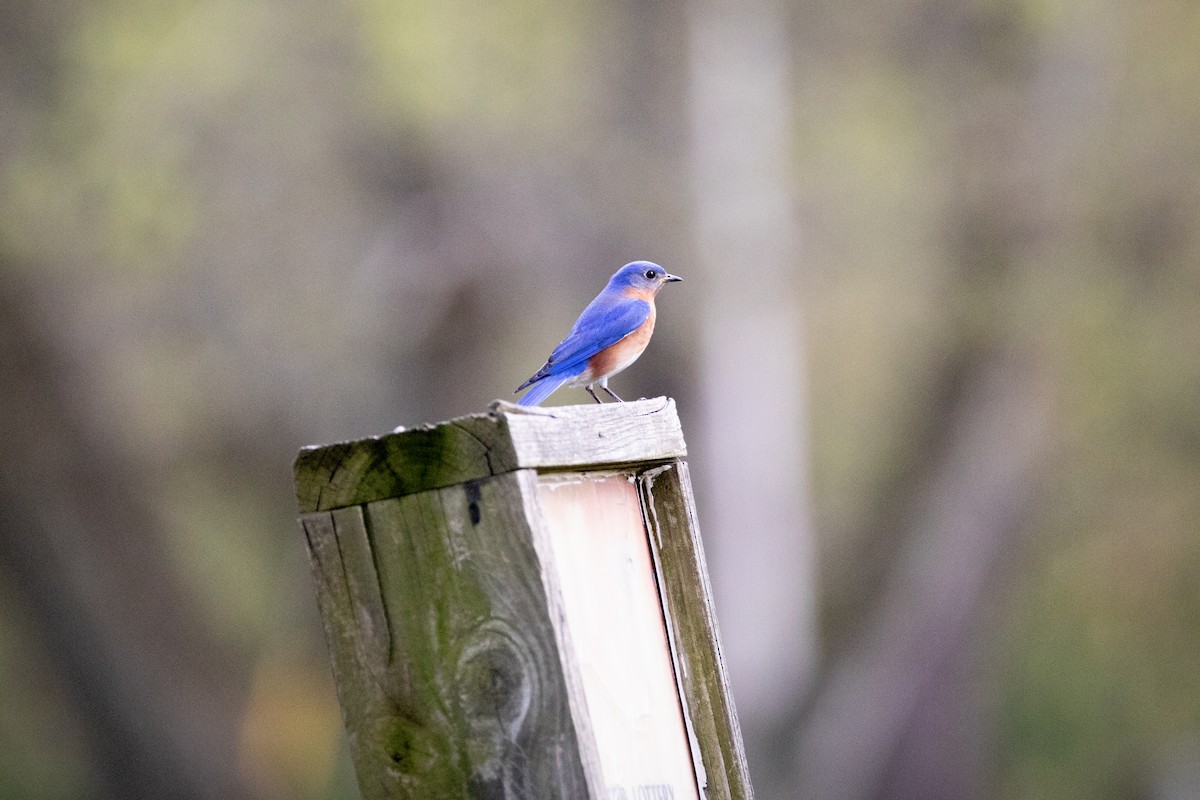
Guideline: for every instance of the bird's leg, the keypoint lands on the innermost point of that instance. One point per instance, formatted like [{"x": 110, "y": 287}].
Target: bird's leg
[
  {"x": 611, "y": 393},
  {"x": 593, "y": 394}
]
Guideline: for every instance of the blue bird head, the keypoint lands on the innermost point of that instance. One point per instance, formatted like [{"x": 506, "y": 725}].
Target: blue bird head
[{"x": 642, "y": 276}]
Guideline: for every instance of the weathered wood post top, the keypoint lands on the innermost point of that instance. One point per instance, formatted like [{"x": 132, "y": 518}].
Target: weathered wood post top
[{"x": 517, "y": 606}]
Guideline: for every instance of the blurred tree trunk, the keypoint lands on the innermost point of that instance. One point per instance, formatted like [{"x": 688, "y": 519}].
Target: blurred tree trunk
[
  {"x": 157, "y": 696},
  {"x": 755, "y": 505},
  {"x": 895, "y": 716},
  {"x": 896, "y": 711}
]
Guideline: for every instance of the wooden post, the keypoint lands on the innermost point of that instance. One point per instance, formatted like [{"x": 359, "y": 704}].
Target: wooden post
[{"x": 516, "y": 606}]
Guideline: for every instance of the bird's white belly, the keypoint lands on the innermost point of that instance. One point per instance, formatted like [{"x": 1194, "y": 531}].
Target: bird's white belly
[{"x": 589, "y": 376}]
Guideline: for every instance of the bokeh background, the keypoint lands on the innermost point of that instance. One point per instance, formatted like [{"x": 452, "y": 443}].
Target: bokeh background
[{"x": 937, "y": 357}]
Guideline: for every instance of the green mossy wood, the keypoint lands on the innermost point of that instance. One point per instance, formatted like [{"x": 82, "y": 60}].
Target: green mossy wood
[{"x": 454, "y": 671}]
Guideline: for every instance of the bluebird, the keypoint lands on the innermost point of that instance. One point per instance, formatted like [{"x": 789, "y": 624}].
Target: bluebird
[{"x": 609, "y": 335}]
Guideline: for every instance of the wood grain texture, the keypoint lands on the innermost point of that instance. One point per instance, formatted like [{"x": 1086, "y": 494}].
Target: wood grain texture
[
  {"x": 596, "y": 436},
  {"x": 692, "y": 628},
  {"x": 473, "y": 447},
  {"x": 444, "y": 646}
]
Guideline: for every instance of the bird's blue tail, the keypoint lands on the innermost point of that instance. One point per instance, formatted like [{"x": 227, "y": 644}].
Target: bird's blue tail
[{"x": 542, "y": 389}]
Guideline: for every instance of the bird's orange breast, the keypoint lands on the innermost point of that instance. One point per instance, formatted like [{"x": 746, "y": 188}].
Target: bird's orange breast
[{"x": 620, "y": 355}]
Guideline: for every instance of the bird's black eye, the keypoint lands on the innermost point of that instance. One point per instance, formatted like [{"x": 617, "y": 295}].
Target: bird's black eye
[{"x": 651, "y": 274}]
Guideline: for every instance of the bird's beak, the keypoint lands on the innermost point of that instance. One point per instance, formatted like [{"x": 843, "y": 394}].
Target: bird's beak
[{"x": 669, "y": 277}]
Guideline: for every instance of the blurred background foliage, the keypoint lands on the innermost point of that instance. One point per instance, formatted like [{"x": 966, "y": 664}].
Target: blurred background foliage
[{"x": 231, "y": 229}]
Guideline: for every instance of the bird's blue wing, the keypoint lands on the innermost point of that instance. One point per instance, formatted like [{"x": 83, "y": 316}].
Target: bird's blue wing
[{"x": 605, "y": 322}]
